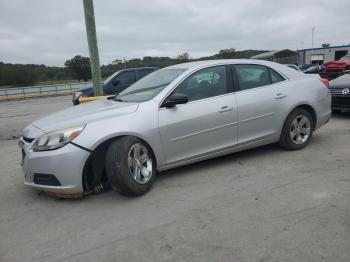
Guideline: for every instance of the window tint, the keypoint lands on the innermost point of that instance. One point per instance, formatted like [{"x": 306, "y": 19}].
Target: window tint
[
  {"x": 145, "y": 72},
  {"x": 127, "y": 78},
  {"x": 205, "y": 83},
  {"x": 275, "y": 77},
  {"x": 251, "y": 76}
]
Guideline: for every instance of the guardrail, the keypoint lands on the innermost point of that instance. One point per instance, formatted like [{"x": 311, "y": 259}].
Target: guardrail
[{"x": 41, "y": 91}]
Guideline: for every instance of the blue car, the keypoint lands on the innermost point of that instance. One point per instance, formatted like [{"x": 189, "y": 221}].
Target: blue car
[{"x": 116, "y": 83}]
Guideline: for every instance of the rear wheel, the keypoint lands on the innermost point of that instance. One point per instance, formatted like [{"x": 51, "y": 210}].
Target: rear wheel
[
  {"x": 297, "y": 130},
  {"x": 130, "y": 166}
]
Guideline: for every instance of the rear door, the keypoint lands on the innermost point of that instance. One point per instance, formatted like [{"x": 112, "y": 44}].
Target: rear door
[{"x": 259, "y": 99}]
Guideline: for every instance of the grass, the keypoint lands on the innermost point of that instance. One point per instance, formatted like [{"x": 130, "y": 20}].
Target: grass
[{"x": 53, "y": 82}]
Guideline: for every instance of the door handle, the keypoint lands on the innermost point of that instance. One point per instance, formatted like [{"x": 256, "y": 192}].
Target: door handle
[
  {"x": 280, "y": 96},
  {"x": 225, "y": 109}
]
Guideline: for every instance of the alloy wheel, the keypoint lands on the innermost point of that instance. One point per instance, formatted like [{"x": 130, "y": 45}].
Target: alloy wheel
[
  {"x": 300, "y": 129},
  {"x": 140, "y": 163}
]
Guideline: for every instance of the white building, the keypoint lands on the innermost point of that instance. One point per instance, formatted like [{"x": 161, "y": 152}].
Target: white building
[{"x": 319, "y": 56}]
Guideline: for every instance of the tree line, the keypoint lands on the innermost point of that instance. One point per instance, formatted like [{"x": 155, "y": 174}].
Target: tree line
[{"x": 78, "y": 67}]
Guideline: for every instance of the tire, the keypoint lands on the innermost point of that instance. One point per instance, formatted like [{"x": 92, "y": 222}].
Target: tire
[
  {"x": 297, "y": 130},
  {"x": 121, "y": 165}
]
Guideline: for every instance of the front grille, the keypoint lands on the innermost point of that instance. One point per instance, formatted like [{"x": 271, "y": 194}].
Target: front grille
[
  {"x": 336, "y": 91},
  {"x": 27, "y": 139},
  {"x": 341, "y": 102},
  {"x": 46, "y": 179}
]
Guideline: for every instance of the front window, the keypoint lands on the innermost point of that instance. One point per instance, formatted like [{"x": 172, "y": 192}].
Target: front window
[
  {"x": 204, "y": 83},
  {"x": 149, "y": 86}
]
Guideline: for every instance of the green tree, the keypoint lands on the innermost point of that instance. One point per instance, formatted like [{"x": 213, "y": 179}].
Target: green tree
[
  {"x": 80, "y": 67},
  {"x": 184, "y": 57},
  {"x": 227, "y": 53}
]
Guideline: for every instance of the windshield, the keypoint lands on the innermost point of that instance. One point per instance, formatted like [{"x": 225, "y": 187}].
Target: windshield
[{"x": 149, "y": 86}]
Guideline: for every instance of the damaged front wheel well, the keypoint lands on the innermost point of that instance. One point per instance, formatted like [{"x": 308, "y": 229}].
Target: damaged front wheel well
[{"x": 94, "y": 172}]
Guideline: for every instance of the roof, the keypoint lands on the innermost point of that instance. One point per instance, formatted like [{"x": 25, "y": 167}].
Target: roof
[
  {"x": 204, "y": 63},
  {"x": 284, "y": 70}
]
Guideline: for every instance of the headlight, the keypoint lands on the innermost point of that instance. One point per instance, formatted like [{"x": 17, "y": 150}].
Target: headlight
[
  {"x": 76, "y": 95},
  {"x": 56, "y": 139}
]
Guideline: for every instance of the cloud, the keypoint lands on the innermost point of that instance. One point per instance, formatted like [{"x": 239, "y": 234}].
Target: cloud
[{"x": 50, "y": 32}]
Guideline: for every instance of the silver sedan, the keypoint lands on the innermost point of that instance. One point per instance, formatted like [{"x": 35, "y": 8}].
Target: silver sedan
[{"x": 175, "y": 116}]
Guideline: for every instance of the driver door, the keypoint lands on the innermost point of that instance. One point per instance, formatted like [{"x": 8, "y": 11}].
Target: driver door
[{"x": 207, "y": 123}]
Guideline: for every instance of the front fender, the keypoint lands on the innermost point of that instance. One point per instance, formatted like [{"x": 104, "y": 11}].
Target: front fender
[{"x": 142, "y": 124}]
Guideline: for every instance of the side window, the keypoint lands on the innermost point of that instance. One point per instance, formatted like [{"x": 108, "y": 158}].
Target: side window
[
  {"x": 144, "y": 72},
  {"x": 204, "y": 83},
  {"x": 275, "y": 77},
  {"x": 252, "y": 76},
  {"x": 126, "y": 78}
]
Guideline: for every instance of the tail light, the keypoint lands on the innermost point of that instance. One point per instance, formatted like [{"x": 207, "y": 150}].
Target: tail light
[{"x": 325, "y": 82}]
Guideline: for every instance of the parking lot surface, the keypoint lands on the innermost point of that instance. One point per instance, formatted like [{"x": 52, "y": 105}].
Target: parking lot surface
[{"x": 264, "y": 204}]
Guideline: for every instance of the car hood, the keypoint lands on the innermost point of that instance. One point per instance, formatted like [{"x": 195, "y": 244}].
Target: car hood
[
  {"x": 340, "y": 82},
  {"x": 83, "y": 114}
]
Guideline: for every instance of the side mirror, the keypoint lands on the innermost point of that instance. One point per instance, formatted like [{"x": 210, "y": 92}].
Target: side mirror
[
  {"x": 115, "y": 82},
  {"x": 175, "y": 99}
]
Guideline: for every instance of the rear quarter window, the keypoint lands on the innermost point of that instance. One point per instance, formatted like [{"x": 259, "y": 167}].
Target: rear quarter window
[{"x": 275, "y": 77}]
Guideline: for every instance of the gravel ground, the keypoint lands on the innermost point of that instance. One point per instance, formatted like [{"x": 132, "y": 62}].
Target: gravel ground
[{"x": 264, "y": 204}]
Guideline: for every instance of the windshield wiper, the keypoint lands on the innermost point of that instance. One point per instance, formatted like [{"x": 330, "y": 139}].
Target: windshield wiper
[{"x": 118, "y": 99}]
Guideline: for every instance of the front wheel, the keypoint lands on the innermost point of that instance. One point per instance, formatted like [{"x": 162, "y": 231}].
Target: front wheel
[
  {"x": 297, "y": 130},
  {"x": 130, "y": 166}
]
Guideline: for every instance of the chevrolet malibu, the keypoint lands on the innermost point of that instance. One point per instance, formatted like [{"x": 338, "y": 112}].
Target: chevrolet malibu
[{"x": 172, "y": 117}]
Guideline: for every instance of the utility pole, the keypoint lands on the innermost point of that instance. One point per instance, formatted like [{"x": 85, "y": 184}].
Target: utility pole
[
  {"x": 312, "y": 36},
  {"x": 124, "y": 62},
  {"x": 93, "y": 49}
]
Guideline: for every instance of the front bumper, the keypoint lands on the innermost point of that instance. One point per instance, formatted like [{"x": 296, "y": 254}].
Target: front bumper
[
  {"x": 323, "y": 120},
  {"x": 66, "y": 164}
]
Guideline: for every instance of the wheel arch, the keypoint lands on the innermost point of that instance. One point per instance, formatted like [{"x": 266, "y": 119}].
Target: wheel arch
[
  {"x": 306, "y": 107},
  {"x": 94, "y": 167}
]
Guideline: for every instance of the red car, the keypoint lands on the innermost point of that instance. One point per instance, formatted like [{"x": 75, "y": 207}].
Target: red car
[{"x": 336, "y": 68}]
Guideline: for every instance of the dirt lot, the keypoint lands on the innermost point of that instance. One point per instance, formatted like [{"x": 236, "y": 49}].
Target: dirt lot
[{"x": 264, "y": 204}]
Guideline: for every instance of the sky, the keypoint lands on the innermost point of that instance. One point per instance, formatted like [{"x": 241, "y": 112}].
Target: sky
[{"x": 50, "y": 31}]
